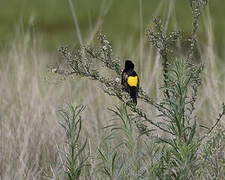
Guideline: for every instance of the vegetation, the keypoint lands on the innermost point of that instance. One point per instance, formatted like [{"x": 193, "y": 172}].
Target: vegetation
[
  {"x": 54, "y": 23},
  {"x": 175, "y": 132},
  {"x": 178, "y": 151}
]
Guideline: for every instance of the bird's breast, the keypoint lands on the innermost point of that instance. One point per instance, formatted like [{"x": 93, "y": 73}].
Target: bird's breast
[{"x": 132, "y": 81}]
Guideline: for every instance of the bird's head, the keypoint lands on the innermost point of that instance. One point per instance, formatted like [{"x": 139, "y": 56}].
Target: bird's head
[{"x": 129, "y": 65}]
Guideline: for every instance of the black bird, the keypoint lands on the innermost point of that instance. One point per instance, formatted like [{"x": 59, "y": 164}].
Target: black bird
[{"x": 130, "y": 80}]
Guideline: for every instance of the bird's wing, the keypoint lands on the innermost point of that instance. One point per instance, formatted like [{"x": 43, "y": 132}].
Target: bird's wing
[
  {"x": 124, "y": 78},
  {"x": 124, "y": 81}
]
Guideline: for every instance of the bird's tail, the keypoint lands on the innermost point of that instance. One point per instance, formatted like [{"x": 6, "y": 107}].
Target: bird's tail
[{"x": 133, "y": 94}]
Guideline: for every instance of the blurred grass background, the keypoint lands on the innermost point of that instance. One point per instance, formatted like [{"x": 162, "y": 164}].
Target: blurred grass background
[
  {"x": 53, "y": 19},
  {"x": 30, "y": 34}
]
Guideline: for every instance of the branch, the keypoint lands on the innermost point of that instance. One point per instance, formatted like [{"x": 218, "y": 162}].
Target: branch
[
  {"x": 216, "y": 123},
  {"x": 80, "y": 64},
  {"x": 218, "y": 119}
]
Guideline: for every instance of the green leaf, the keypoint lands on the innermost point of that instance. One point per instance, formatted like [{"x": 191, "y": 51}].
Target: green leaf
[{"x": 192, "y": 133}]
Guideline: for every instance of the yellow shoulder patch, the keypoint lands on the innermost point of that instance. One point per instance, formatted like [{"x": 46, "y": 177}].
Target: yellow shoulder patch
[{"x": 132, "y": 80}]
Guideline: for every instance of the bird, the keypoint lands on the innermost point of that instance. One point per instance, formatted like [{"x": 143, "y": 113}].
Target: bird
[{"x": 130, "y": 80}]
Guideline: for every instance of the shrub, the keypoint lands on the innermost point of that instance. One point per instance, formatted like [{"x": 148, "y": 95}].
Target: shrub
[{"x": 175, "y": 154}]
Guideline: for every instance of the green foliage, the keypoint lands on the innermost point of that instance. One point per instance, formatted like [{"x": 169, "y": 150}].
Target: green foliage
[
  {"x": 74, "y": 161},
  {"x": 120, "y": 161},
  {"x": 174, "y": 154},
  {"x": 176, "y": 109},
  {"x": 176, "y": 112},
  {"x": 129, "y": 144},
  {"x": 164, "y": 43},
  {"x": 108, "y": 161}
]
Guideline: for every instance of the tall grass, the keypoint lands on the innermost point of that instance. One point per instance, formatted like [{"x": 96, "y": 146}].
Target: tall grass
[{"x": 31, "y": 94}]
